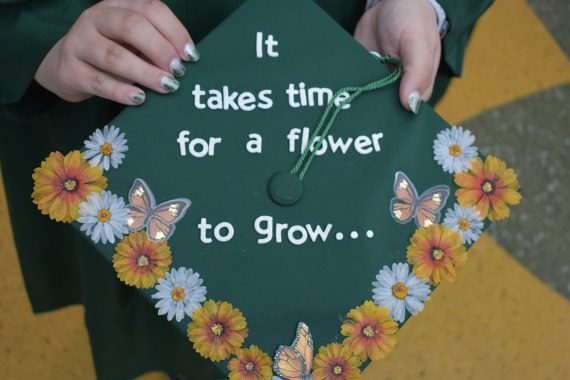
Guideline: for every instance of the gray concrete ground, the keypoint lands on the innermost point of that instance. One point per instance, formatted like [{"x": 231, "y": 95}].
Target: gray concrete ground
[
  {"x": 533, "y": 136},
  {"x": 556, "y": 16}
]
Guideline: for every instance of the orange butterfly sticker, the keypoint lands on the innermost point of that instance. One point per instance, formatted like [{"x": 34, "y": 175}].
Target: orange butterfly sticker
[
  {"x": 159, "y": 220},
  {"x": 407, "y": 205},
  {"x": 296, "y": 361}
]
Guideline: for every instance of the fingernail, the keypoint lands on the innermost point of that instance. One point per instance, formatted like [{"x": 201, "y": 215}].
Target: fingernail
[
  {"x": 137, "y": 97},
  {"x": 191, "y": 52},
  {"x": 177, "y": 68},
  {"x": 169, "y": 83},
  {"x": 415, "y": 101}
]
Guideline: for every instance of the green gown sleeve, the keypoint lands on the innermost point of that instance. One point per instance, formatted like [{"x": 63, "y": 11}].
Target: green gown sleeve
[
  {"x": 28, "y": 30},
  {"x": 462, "y": 16}
]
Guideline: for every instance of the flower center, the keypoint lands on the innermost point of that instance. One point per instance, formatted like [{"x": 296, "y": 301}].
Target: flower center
[
  {"x": 106, "y": 149},
  {"x": 400, "y": 290},
  {"x": 249, "y": 367},
  {"x": 337, "y": 369},
  {"x": 143, "y": 261},
  {"x": 463, "y": 224},
  {"x": 70, "y": 184},
  {"x": 104, "y": 215},
  {"x": 217, "y": 329},
  {"x": 487, "y": 187},
  {"x": 455, "y": 150},
  {"x": 437, "y": 254},
  {"x": 368, "y": 331},
  {"x": 178, "y": 294}
]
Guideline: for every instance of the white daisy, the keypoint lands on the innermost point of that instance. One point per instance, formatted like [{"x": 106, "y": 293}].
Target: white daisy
[
  {"x": 104, "y": 217},
  {"x": 453, "y": 149},
  {"x": 106, "y": 148},
  {"x": 466, "y": 221},
  {"x": 180, "y": 292},
  {"x": 400, "y": 290}
]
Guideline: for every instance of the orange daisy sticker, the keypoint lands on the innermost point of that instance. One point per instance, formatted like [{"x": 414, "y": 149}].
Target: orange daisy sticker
[
  {"x": 140, "y": 262},
  {"x": 217, "y": 330},
  {"x": 370, "y": 331},
  {"x": 435, "y": 252},
  {"x": 61, "y": 183},
  {"x": 336, "y": 362},
  {"x": 250, "y": 364},
  {"x": 491, "y": 187}
]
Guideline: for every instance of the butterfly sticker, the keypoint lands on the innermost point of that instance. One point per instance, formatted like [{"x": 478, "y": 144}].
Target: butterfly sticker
[
  {"x": 159, "y": 220},
  {"x": 407, "y": 205},
  {"x": 295, "y": 362}
]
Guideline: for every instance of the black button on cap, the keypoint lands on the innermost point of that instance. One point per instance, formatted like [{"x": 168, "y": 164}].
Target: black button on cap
[{"x": 285, "y": 188}]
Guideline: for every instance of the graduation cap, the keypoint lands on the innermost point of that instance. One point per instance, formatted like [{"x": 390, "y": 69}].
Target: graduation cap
[{"x": 281, "y": 210}]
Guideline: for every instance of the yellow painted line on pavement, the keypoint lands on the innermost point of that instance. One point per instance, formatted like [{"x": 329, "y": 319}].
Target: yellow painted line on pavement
[
  {"x": 51, "y": 345},
  {"x": 497, "y": 322},
  {"x": 511, "y": 55}
]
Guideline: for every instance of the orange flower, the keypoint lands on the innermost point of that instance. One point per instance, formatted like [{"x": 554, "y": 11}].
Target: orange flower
[
  {"x": 217, "y": 330},
  {"x": 435, "y": 251},
  {"x": 250, "y": 364},
  {"x": 140, "y": 262},
  {"x": 369, "y": 331},
  {"x": 490, "y": 187},
  {"x": 336, "y": 362},
  {"x": 61, "y": 183}
]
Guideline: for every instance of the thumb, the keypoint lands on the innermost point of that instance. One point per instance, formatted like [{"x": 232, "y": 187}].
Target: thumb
[{"x": 418, "y": 72}]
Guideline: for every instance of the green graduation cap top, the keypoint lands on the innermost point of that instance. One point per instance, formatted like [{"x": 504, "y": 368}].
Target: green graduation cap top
[{"x": 216, "y": 181}]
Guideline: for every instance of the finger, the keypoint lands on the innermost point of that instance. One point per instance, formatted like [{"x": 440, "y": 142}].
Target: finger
[
  {"x": 103, "y": 85},
  {"x": 363, "y": 33},
  {"x": 115, "y": 59},
  {"x": 167, "y": 24},
  {"x": 124, "y": 25},
  {"x": 418, "y": 69},
  {"x": 428, "y": 93}
]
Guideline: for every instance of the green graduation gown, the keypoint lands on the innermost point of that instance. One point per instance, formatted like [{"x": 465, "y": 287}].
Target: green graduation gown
[{"x": 60, "y": 268}]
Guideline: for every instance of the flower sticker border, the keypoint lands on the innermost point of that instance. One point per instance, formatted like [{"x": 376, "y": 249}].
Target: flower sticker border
[{"x": 70, "y": 188}]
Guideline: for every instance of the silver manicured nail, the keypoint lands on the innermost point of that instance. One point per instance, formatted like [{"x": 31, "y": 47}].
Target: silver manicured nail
[
  {"x": 415, "y": 101},
  {"x": 191, "y": 52},
  {"x": 137, "y": 97},
  {"x": 177, "y": 68},
  {"x": 169, "y": 83}
]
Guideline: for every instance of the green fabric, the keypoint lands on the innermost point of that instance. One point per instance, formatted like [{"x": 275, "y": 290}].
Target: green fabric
[
  {"x": 61, "y": 267},
  {"x": 277, "y": 284},
  {"x": 332, "y": 110}
]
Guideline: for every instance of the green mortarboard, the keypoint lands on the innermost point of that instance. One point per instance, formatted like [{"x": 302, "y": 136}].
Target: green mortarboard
[{"x": 282, "y": 249}]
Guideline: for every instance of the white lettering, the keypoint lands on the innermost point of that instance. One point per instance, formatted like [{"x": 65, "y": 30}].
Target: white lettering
[
  {"x": 362, "y": 145},
  {"x": 318, "y": 232},
  {"x": 204, "y": 228},
  {"x": 254, "y": 145},
  {"x": 229, "y": 232},
  {"x": 269, "y": 230}
]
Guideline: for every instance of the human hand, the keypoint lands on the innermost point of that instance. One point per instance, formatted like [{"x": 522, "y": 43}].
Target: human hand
[
  {"x": 405, "y": 29},
  {"x": 115, "y": 44}
]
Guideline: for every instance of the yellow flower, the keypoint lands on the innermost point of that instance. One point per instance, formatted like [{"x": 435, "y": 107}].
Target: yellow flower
[
  {"x": 435, "y": 251},
  {"x": 490, "y": 187},
  {"x": 217, "y": 330},
  {"x": 369, "y": 331},
  {"x": 250, "y": 364},
  {"x": 140, "y": 262},
  {"x": 61, "y": 183},
  {"x": 336, "y": 362}
]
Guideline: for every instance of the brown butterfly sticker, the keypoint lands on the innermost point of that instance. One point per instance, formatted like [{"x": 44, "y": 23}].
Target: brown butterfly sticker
[
  {"x": 294, "y": 362},
  {"x": 407, "y": 205},
  {"x": 159, "y": 220}
]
